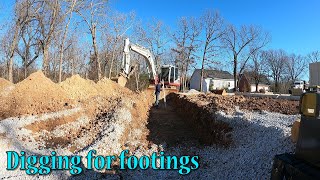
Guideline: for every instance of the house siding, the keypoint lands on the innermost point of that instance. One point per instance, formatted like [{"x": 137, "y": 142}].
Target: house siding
[
  {"x": 217, "y": 83},
  {"x": 265, "y": 87}
]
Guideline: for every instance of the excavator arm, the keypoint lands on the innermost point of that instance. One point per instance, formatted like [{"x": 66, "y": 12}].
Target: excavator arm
[{"x": 126, "y": 70}]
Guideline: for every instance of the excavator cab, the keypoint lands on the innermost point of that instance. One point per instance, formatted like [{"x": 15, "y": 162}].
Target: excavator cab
[{"x": 169, "y": 74}]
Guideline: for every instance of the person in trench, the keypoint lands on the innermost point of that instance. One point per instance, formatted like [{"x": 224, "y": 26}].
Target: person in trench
[{"x": 157, "y": 93}]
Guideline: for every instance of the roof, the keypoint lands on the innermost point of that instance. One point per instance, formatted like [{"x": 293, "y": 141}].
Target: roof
[
  {"x": 263, "y": 79},
  {"x": 215, "y": 74}
]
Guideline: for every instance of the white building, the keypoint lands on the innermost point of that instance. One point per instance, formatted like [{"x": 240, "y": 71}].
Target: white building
[
  {"x": 266, "y": 87},
  {"x": 215, "y": 79}
]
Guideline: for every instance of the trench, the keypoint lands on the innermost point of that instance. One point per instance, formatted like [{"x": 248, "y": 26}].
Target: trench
[{"x": 185, "y": 123}]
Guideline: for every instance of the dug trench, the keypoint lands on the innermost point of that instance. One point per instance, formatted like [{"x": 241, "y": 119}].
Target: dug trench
[{"x": 180, "y": 122}]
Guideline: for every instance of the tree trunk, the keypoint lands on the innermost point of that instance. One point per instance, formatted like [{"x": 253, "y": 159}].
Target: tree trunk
[
  {"x": 137, "y": 80},
  {"x": 202, "y": 67},
  {"x": 45, "y": 63},
  {"x": 276, "y": 86},
  {"x": 25, "y": 69},
  {"x": 10, "y": 69},
  {"x": 201, "y": 78},
  {"x": 63, "y": 40},
  {"x": 257, "y": 86},
  {"x": 12, "y": 48},
  {"x": 72, "y": 66},
  {"x": 235, "y": 73},
  {"x": 96, "y": 53},
  {"x": 111, "y": 64}
]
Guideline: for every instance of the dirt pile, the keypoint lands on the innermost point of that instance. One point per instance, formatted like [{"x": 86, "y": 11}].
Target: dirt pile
[
  {"x": 135, "y": 134},
  {"x": 34, "y": 95},
  {"x": 81, "y": 89},
  {"x": 4, "y": 83},
  {"x": 227, "y": 103},
  {"x": 105, "y": 123},
  {"x": 107, "y": 87},
  {"x": 78, "y": 88}
]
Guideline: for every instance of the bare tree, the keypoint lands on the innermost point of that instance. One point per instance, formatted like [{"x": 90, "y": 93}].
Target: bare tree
[
  {"x": 213, "y": 27},
  {"x": 186, "y": 40},
  {"x": 276, "y": 61},
  {"x": 314, "y": 56},
  {"x": 155, "y": 36},
  {"x": 295, "y": 66},
  {"x": 243, "y": 42},
  {"x": 29, "y": 49},
  {"x": 70, "y": 6},
  {"x": 49, "y": 18},
  {"x": 119, "y": 25},
  {"x": 92, "y": 12},
  {"x": 22, "y": 16},
  {"x": 258, "y": 67}
]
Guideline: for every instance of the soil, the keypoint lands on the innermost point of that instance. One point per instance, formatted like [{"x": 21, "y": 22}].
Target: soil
[
  {"x": 227, "y": 103},
  {"x": 167, "y": 127},
  {"x": 34, "y": 95},
  {"x": 78, "y": 88},
  {"x": 4, "y": 83},
  {"x": 52, "y": 123},
  {"x": 107, "y": 87}
]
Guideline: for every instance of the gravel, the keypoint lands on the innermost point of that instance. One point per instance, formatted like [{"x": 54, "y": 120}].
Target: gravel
[{"x": 258, "y": 136}]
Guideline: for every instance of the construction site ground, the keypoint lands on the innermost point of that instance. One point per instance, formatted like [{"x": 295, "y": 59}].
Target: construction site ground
[{"x": 77, "y": 115}]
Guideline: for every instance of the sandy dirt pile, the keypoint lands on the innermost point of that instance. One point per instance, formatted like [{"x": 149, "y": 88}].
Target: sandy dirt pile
[
  {"x": 79, "y": 88},
  {"x": 34, "y": 95},
  {"x": 135, "y": 134},
  {"x": 227, "y": 103},
  {"x": 107, "y": 87},
  {"x": 4, "y": 83},
  {"x": 107, "y": 111}
]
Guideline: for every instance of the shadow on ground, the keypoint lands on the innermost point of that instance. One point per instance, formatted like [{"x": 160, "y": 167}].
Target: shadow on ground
[{"x": 168, "y": 128}]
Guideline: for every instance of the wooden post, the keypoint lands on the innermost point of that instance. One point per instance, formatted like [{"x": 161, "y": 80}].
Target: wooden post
[{"x": 164, "y": 95}]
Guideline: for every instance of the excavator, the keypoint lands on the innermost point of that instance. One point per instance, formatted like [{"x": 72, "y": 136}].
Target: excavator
[
  {"x": 305, "y": 162},
  {"x": 169, "y": 73}
]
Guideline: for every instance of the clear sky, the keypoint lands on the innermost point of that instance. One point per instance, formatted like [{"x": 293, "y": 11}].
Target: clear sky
[{"x": 293, "y": 24}]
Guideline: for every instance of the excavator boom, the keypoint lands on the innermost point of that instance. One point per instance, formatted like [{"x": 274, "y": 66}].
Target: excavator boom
[{"x": 126, "y": 70}]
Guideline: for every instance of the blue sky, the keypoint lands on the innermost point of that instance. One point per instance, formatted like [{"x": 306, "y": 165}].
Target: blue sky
[{"x": 293, "y": 24}]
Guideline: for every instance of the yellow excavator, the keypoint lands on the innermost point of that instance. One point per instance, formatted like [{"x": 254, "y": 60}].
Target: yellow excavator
[
  {"x": 169, "y": 73},
  {"x": 305, "y": 162}
]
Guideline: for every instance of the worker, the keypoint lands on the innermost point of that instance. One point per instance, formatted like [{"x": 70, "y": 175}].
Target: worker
[{"x": 157, "y": 93}]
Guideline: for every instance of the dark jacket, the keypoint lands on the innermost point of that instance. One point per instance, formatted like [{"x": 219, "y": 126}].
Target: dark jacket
[{"x": 158, "y": 88}]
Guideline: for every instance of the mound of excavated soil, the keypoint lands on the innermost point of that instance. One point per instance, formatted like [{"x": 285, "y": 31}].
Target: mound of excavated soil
[
  {"x": 79, "y": 88},
  {"x": 107, "y": 87},
  {"x": 4, "y": 83},
  {"x": 34, "y": 95},
  {"x": 227, "y": 103}
]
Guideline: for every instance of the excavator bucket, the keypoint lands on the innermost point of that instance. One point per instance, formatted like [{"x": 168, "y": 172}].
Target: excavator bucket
[
  {"x": 220, "y": 92},
  {"x": 121, "y": 80}
]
